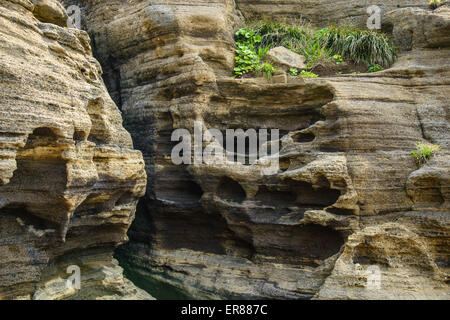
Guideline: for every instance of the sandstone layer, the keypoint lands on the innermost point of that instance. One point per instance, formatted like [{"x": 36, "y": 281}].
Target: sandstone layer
[
  {"x": 324, "y": 12},
  {"x": 348, "y": 196},
  {"x": 69, "y": 176}
]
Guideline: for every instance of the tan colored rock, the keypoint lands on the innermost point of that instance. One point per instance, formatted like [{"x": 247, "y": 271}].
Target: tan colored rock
[
  {"x": 285, "y": 59},
  {"x": 279, "y": 77},
  {"x": 394, "y": 255},
  {"x": 321, "y": 13},
  {"x": 419, "y": 28},
  {"x": 50, "y": 11},
  {"x": 227, "y": 231},
  {"x": 69, "y": 177}
]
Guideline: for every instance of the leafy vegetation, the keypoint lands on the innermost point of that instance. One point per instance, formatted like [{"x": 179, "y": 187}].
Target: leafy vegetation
[
  {"x": 424, "y": 152},
  {"x": 247, "y": 60},
  {"x": 267, "y": 70},
  {"x": 375, "y": 68},
  {"x": 293, "y": 72},
  {"x": 249, "y": 57},
  {"x": 332, "y": 45},
  {"x": 307, "y": 74},
  {"x": 338, "y": 59}
]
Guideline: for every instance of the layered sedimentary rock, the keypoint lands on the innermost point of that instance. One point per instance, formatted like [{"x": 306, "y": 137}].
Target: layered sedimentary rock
[
  {"x": 69, "y": 177},
  {"x": 348, "y": 199},
  {"x": 321, "y": 13}
]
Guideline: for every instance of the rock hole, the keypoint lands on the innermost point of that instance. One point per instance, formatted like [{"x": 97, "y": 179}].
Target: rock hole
[
  {"x": 366, "y": 254},
  {"x": 126, "y": 198},
  {"x": 303, "y": 137},
  {"x": 308, "y": 196},
  {"x": 230, "y": 190},
  {"x": 27, "y": 217},
  {"x": 285, "y": 163},
  {"x": 301, "y": 245},
  {"x": 276, "y": 197},
  {"x": 79, "y": 136}
]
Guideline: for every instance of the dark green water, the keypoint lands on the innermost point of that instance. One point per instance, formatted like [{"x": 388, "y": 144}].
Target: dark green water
[{"x": 158, "y": 289}]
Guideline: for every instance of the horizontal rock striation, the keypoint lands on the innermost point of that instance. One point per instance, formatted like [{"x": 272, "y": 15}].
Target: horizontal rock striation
[
  {"x": 321, "y": 13},
  {"x": 69, "y": 177},
  {"x": 348, "y": 195}
]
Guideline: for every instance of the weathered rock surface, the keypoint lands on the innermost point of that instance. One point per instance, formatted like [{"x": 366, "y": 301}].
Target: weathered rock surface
[
  {"x": 285, "y": 59},
  {"x": 69, "y": 177},
  {"x": 348, "y": 195},
  {"x": 418, "y": 28},
  {"x": 321, "y": 13},
  {"x": 50, "y": 11}
]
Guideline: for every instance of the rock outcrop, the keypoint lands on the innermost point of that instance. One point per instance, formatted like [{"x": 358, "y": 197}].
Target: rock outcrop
[
  {"x": 69, "y": 177},
  {"x": 284, "y": 59},
  {"x": 322, "y": 13},
  {"x": 348, "y": 199}
]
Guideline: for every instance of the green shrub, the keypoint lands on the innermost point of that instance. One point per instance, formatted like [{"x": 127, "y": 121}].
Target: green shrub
[
  {"x": 315, "y": 55},
  {"x": 375, "y": 68},
  {"x": 267, "y": 70},
  {"x": 278, "y": 33},
  {"x": 247, "y": 60},
  {"x": 307, "y": 74},
  {"x": 424, "y": 152},
  {"x": 358, "y": 45}
]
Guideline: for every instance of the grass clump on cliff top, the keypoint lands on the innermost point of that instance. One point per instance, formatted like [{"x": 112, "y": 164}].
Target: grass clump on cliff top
[
  {"x": 358, "y": 45},
  {"x": 333, "y": 44}
]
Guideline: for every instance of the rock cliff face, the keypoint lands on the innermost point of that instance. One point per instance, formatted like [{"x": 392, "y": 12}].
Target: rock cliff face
[
  {"x": 321, "y": 13},
  {"x": 69, "y": 177},
  {"x": 348, "y": 195}
]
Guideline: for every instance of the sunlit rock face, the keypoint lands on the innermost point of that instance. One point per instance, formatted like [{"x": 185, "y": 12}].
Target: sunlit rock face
[
  {"x": 348, "y": 199},
  {"x": 324, "y": 12},
  {"x": 69, "y": 177}
]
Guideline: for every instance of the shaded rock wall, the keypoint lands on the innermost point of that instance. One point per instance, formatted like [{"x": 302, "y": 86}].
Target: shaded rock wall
[
  {"x": 348, "y": 194},
  {"x": 69, "y": 177}
]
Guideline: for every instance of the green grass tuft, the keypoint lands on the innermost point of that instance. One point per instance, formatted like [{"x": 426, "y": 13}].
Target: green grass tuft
[
  {"x": 424, "y": 152},
  {"x": 358, "y": 45}
]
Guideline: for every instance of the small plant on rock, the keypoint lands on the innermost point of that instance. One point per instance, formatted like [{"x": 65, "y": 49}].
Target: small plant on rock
[
  {"x": 375, "y": 68},
  {"x": 307, "y": 74},
  {"x": 267, "y": 70},
  {"x": 293, "y": 72},
  {"x": 424, "y": 152},
  {"x": 338, "y": 59}
]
